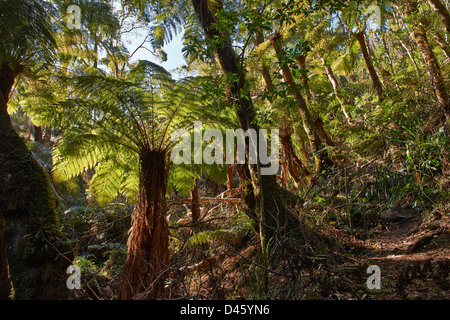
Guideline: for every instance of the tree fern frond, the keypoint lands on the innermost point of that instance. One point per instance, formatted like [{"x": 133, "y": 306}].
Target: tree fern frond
[{"x": 223, "y": 235}]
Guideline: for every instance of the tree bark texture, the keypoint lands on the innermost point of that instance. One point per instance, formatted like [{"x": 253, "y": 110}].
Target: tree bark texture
[
  {"x": 360, "y": 36},
  {"x": 442, "y": 43},
  {"x": 146, "y": 266},
  {"x": 195, "y": 203},
  {"x": 293, "y": 164},
  {"x": 302, "y": 64},
  {"x": 295, "y": 167},
  {"x": 230, "y": 176}
]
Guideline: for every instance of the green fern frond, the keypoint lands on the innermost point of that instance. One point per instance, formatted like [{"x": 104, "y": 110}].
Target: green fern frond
[{"x": 224, "y": 235}]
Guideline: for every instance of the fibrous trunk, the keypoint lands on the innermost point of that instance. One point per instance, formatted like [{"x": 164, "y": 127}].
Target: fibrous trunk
[
  {"x": 230, "y": 176},
  {"x": 301, "y": 59},
  {"x": 292, "y": 163},
  {"x": 147, "y": 262},
  {"x": 195, "y": 202}
]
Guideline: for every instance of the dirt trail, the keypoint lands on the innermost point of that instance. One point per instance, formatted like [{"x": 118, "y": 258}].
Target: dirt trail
[{"x": 413, "y": 256}]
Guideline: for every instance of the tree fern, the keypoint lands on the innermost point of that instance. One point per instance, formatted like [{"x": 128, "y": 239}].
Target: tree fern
[{"x": 117, "y": 119}]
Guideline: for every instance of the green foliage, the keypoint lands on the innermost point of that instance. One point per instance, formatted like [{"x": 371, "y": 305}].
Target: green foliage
[
  {"x": 241, "y": 226},
  {"x": 27, "y": 35}
]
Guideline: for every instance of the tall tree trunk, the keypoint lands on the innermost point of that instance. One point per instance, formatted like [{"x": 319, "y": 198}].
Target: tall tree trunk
[
  {"x": 195, "y": 202},
  {"x": 32, "y": 238},
  {"x": 360, "y": 36},
  {"x": 264, "y": 69},
  {"x": 38, "y": 134},
  {"x": 433, "y": 67},
  {"x": 336, "y": 87},
  {"x": 301, "y": 59},
  {"x": 318, "y": 122},
  {"x": 321, "y": 157},
  {"x": 269, "y": 205},
  {"x": 146, "y": 266},
  {"x": 442, "y": 12}
]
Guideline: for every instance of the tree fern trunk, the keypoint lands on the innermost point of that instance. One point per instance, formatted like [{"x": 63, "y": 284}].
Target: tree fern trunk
[
  {"x": 289, "y": 160},
  {"x": 302, "y": 64},
  {"x": 146, "y": 266},
  {"x": 294, "y": 165},
  {"x": 442, "y": 43},
  {"x": 195, "y": 202},
  {"x": 38, "y": 134}
]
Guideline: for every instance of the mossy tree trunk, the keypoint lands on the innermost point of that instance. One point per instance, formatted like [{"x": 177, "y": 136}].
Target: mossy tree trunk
[
  {"x": 37, "y": 257},
  {"x": 442, "y": 43},
  {"x": 5, "y": 281},
  {"x": 301, "y": 60},
  {"x": 146, "y": 266}
]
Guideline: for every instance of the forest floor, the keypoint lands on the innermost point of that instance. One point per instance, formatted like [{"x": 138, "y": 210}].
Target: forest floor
[
  {"x": 413, "y": 256},
  {"x": 220, "y": 257},
  {"x": 411, "y": 249}
]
